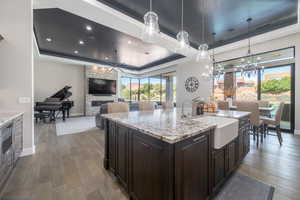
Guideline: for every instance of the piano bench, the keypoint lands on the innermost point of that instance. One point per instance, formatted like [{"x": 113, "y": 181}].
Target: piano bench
[{"x": 41, "y": 116}]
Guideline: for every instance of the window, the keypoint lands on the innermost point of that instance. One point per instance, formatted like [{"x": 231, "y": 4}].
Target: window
[
  {"x": 276, "y": 87},
  {"x": 155, "y": 88},
  {"x": 134, "y": 89},
  {"x": 218, "y": 88},
  {"x": 144, "y": 89},
  {"x": 158, "y": 88},
  {"x": 270, "y": 80},
  {"x": 174, "y": 89},
  {"x": 125, "y": 88},
  {"x": 163, "y": 88},
  {"x": 246, "y": 87}
]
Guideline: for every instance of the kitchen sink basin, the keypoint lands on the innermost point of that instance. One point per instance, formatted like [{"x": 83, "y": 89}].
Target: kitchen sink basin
[{"x": 227, "y": 129}]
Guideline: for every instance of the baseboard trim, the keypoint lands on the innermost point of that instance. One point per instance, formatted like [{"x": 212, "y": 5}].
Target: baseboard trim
[
  {"x": 28, "y": 151},
  {"x": 297, "y": 132}
]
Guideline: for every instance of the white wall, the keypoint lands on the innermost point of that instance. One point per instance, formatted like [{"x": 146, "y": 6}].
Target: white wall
[
  {"x": 16, "y": 68},
  {"x": 51, "y": 76},
  {"x": 186, "y": 70},
  {"x": 288, "y": 41}
]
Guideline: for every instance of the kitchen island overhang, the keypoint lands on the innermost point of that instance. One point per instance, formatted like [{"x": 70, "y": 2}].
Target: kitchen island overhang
[{"x": 158, "y": 155}]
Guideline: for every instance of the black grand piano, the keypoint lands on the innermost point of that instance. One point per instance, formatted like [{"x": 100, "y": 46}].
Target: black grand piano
[{"x": 54, "y": 105}]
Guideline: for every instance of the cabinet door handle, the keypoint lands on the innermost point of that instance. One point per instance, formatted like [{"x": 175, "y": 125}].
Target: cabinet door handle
[{"x": 199, "y": 138}]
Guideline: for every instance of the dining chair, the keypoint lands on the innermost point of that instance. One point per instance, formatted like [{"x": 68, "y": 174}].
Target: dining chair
[
  {"x": 235, "y": 102},
  {"x": 255, "y": 121},
  {"x": 262, "y": 103},
  {"x": 146, "y": 106},
  {"x": 117, "y": 107},
  {"x": 274, "y": 122},
  {"x": 223, "y": 105},
  {"x": 167, "y": 105}
]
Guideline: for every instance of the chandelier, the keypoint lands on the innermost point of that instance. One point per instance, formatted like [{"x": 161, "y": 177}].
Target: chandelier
[{"x": 249, "y": 65}]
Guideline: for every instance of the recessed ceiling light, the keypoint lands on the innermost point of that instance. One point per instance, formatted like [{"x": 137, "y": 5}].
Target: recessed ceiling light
[
  {"x": 129, "y": 42},
  {"x": 76, "y": 52},
  {"x": 81, "y": 42},
  {"x": 88, "y": 28},
  {"x": 106, "y": 58},
  {"x": 49, "y": 39}
]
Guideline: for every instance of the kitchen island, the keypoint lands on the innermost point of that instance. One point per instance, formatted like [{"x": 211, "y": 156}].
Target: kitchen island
[{"x": 157, "y": 155}]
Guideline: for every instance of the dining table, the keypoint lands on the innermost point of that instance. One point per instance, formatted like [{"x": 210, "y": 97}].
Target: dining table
[{"x": 266, "y": 111}]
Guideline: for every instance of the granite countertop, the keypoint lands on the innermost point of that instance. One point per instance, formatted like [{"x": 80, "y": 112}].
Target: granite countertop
[
  {"x": 6, "y": 117},
  {"x": 167, "y": 125}
]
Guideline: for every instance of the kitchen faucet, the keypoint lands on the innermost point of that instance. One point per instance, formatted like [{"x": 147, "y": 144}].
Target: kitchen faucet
[{"x": 182, "y": 111}]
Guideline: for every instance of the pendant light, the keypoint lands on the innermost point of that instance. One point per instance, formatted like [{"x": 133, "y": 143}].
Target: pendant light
[
  {"x": 182, "y": 36},
  {"x": 151, "y": 26},
  {"x": 215, "y": 71},
  {"x": 203, "y": 48},
  {"x": 249, "y": 63}
]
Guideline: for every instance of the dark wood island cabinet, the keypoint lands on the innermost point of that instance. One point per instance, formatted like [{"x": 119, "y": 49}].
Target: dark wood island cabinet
[
  {"x": 149, "y": 167},
  {"x": 228, "y": 158}
]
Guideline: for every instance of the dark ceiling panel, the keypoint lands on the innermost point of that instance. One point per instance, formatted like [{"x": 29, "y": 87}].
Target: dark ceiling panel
[
  {"x": 227, "y": 18},
  {"x": 102, "y": 45}
]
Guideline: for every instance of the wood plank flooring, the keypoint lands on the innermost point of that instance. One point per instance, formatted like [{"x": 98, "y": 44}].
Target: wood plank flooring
[{"x": 70, "y": 167}]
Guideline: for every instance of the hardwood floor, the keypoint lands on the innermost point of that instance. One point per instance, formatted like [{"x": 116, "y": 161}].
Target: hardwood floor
[
  {"x": 70, "y": 167},
  {"x": 275, "y": 165},
  {"x": 65, "y": 167}
]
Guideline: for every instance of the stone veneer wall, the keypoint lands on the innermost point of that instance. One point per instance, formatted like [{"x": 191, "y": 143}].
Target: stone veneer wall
[{"x": 96, "y": 72}]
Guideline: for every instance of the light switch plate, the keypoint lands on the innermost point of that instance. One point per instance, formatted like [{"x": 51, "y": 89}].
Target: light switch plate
[{"x": 24, "y": 99}]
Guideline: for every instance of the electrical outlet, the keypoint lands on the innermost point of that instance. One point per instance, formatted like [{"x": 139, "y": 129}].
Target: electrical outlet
[{"x": 24, "y": 100}]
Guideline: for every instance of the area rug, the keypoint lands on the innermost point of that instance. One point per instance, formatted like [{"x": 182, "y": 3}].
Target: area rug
[
  {"x": 75, "y": 125},
  {"x": 240, "y": 187}
]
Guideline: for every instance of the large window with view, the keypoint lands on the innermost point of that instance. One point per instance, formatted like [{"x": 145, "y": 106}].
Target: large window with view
[
  {"x": 125, "y": 88},
  {"x": 246, "y": 87},
  {"x": 218, "y": 87},
  {"x": 155, "y": 88},
  {"x": 163, "y": 88},
  {"x": 174, "y": 89},
  {"x": 144, "y": 89},
  {"x": 276, "y": 87},
  {"x": 134, "y": 89},
  {"x": 268, "y": 77}
]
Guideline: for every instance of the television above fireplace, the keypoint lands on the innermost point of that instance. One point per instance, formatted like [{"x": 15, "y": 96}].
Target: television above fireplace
[{"x": 102, "y": 87}]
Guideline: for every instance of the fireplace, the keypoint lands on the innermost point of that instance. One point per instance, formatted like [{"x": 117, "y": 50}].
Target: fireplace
[{"x": 99, "y": 103}]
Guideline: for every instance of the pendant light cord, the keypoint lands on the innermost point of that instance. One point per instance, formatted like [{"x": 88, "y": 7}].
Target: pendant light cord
[
  {"x": 203, "y": 21},
  {"x": 182, "y": 15},
  {"x": 249, "y": 44},
  {"x": 214, "y": 34}
]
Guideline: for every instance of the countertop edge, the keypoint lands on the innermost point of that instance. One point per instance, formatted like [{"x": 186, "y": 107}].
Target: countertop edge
[
  {"x": 10, "y": 118},
  {"x": 162, "y": 138}
]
